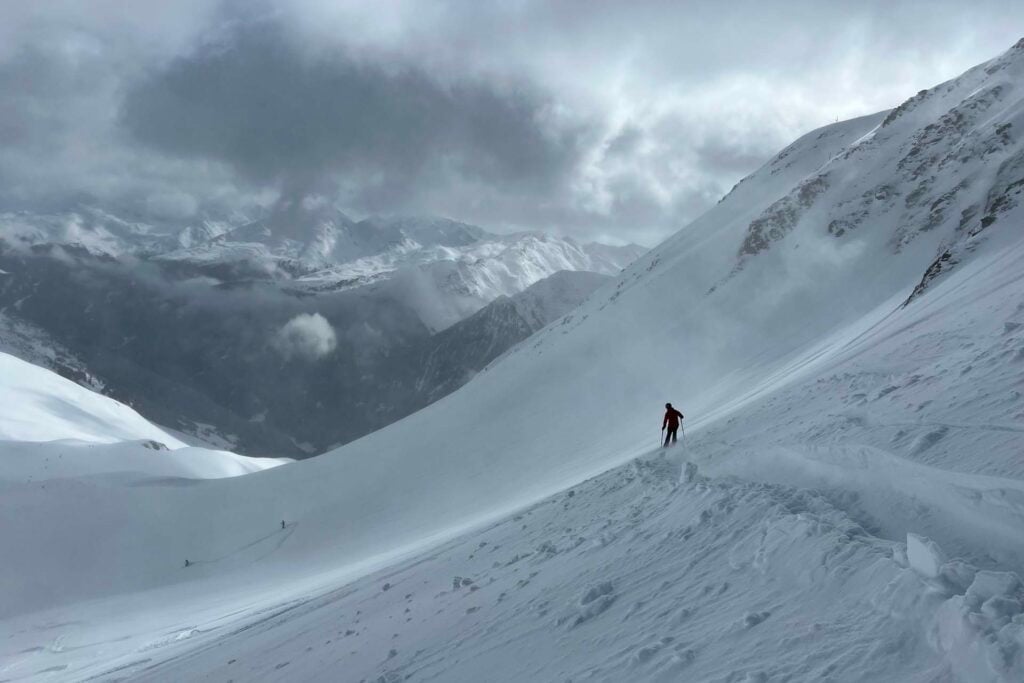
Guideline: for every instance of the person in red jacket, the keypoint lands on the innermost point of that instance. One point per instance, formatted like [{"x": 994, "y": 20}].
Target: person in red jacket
[{"x": 671, "y": 423}]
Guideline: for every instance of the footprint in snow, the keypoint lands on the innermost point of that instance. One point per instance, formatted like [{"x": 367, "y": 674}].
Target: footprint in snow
[
  {"x": 927, "y": 440},
  {"x": 53, "y": 669},
  {"x": 647, "y": 652},
  {"x": 594, "y": 601},
  {"x": 680, "y": 658},
  {"x": 682, "y": 616},
  {"x": 751, "y": 619}
]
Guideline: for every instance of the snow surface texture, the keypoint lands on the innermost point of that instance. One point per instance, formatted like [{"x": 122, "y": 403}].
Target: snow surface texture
[{"x": 855, "y": 513}]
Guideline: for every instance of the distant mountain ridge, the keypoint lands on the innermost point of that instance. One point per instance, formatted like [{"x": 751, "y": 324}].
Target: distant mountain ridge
[
  {"x": 446, "y": 269},
  {"x": 467, "y": 347}
]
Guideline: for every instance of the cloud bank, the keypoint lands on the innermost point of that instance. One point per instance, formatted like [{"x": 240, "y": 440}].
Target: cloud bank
[{"x": 619, "y": 121}]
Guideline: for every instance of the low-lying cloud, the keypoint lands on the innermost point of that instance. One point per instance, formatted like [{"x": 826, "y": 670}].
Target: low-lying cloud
[{"x": 308, "y": 337}]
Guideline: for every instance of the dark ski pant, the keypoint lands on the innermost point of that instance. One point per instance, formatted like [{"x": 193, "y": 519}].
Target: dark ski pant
[{"x": 670, "y": 435}]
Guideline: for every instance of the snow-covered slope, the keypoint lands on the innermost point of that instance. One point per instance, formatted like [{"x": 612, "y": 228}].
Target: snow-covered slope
[
  {"x": 780, "y": 323},
  {"x": 554, "y": 296},
  {"x": 52, "y": 428},
  {"x": 457, "y": 353},
  {"x": 42, "y": 406}
]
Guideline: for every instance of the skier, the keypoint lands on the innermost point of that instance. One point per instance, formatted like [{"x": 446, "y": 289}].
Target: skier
[{"x": 671, "y": 421}]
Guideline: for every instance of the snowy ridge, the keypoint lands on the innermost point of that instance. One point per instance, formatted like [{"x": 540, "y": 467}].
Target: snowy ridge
[
  {"x": 128, "y": 461},
  {"x": 457, "y": 353},
  {"x": 42, "y": 406},
  {"x": 52, "y": 428},
  {"x": 449, "y": 283},
  {"x": 556, "y": 295},
  {"x": 317, "y": 249},
  {"x": 571, "y": 551}
]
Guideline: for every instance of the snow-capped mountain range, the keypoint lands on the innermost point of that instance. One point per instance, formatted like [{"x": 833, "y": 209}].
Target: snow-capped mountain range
[
  {"x": 445, "y": 269},
  {"x": 845, "y": 334}
]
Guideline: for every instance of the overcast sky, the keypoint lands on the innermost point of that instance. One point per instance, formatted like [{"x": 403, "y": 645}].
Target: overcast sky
[{"x": 618, "y": 121}]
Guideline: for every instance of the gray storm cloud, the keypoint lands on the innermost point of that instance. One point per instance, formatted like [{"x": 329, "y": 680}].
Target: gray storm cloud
[
  {"x": 308, "y": 337},
  {"x": 619, "y": 121},
  {"x": 257, "y": 102}
]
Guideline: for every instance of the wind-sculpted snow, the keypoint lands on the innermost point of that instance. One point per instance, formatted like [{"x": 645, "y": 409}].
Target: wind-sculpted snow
[{"x": 854, "y": 515}]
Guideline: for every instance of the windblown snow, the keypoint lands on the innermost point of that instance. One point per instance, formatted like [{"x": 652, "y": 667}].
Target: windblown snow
[{"x": 845, "y": 333}]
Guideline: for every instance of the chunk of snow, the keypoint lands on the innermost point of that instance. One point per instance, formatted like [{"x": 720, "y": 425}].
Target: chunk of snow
[
  {"x": 988, "y": 585},
  {"x": 924, "y": 556}
]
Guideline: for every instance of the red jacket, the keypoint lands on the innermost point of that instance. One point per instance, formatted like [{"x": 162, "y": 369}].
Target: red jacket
[{"x": 672, "y": 418}]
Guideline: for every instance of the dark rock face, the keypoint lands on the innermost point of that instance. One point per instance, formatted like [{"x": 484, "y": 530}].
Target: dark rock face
[{"x": 781, "y": 217}]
